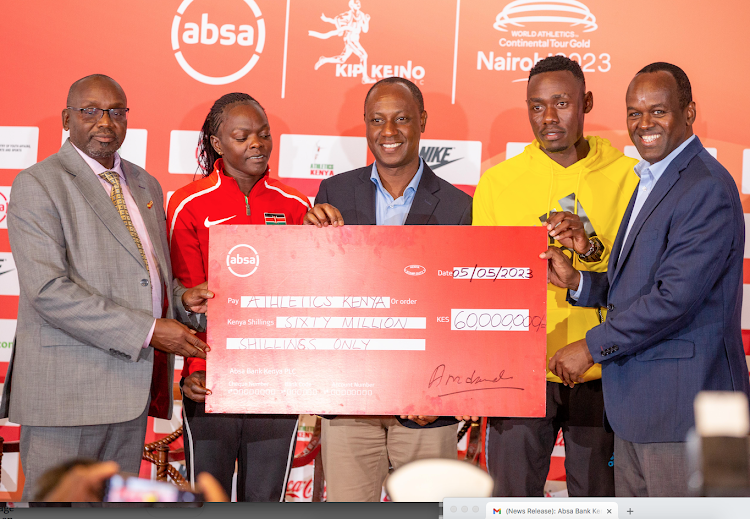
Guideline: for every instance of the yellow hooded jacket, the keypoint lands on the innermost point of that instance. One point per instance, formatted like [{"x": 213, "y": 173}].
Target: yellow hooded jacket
[{"x": 524, "y": 189}]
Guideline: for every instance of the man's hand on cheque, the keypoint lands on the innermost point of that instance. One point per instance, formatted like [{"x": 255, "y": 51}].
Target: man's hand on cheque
[
  {"x": 560, "y": 269},
  {"x": 323, "y": 215},
  {"x": 466, "y": 418},
  {"x": 196, "y": 299},
  {"x": 419, "y": 419},
  {"x": 171, "y": 336},
  {"x": 194, "y": 386},
  {"x": 571, "y": 362}
]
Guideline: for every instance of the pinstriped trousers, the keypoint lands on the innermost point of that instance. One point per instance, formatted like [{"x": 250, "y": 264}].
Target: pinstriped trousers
[{"x": 43, "y": 448}]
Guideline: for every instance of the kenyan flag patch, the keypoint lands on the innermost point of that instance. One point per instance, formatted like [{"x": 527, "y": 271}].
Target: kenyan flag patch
[{"x": 275, "y": 218}]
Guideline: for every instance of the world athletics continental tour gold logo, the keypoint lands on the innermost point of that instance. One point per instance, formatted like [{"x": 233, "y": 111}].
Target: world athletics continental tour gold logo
[
  {"x": 532, "y": 30},
  {"x": 557, "y": 11}
]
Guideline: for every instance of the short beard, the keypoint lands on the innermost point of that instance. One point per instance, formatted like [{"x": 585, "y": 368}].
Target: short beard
[{"x": 96, "y": 152}]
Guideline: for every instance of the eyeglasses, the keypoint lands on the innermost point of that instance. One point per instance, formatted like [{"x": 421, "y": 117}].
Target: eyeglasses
[{"x": 94, "y": 114}]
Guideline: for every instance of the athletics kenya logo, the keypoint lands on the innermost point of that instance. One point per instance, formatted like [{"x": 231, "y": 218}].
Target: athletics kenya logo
[
  {"x": 545, "y": 11},
  {"x": 204, "y": 39},
  {"x": 242, "y": 260}
]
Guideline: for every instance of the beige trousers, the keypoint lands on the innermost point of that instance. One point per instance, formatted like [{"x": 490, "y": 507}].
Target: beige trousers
[{"x": 356, "y": 451}]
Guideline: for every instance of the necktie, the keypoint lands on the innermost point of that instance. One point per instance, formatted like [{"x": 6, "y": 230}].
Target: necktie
[{"x": 119, "y": 201}]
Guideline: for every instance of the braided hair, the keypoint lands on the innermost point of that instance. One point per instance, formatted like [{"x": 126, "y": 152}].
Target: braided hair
[{"x": 207, "y": 155}]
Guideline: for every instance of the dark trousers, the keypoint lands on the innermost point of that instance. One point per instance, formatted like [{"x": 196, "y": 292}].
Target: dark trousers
[
  {"x": 262, "y": 445},
  {"x": 518, "y": 449}
]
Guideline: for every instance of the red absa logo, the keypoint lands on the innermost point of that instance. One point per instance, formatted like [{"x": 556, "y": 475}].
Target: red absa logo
[
  {"x": 3, "y": 207},
  {"x": 218, "y": 43}
]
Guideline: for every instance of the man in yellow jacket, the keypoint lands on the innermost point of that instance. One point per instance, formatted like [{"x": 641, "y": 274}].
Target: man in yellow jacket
[{"x": 579, "y": 187}]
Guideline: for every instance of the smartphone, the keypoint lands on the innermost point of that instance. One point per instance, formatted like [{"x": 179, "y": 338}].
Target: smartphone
[{"x": 139, "y": 490}]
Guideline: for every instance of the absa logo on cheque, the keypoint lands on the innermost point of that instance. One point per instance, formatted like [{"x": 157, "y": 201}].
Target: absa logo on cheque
[
  {"x": 242, "y": 260},
  {"x": 218, "y": 43}
]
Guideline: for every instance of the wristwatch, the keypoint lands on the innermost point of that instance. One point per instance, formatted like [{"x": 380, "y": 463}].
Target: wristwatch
[{"x": 594, "y": 253}]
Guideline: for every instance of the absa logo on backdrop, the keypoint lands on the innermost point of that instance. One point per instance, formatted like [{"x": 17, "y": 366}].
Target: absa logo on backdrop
[
  {"x": 531, "y": 30},
  {"x": 218, "y": 43}
]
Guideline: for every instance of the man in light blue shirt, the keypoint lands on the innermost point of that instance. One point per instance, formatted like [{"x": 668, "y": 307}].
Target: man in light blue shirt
[
  {"x": 397, "y": 189},
  {"x": 649, "y": 175},
  {"x": 673, "y": 292},
  {"x": 389, "y": 211}
]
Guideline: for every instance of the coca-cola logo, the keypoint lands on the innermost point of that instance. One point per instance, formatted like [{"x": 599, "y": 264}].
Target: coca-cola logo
[{"x": 300, "y": 490}]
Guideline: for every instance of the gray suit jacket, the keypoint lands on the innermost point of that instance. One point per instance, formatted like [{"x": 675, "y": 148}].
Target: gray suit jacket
[{"x": 85, "y": 308}]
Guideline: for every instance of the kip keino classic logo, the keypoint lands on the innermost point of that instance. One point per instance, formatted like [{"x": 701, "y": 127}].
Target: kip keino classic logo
[
  {"x": 222, "y": 45},
  {"x": 242, "y": 260},
  {"x": 350, "y": 25}
]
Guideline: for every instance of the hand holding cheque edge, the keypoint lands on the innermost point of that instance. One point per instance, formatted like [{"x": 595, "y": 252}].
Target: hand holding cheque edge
[
  {"x": 420, "y": 420},
  {"x": 171, "y": 336},
  {"x": 194, "y": 386},
  {"x": 560, "y": 271},
  {"x": 572, "y": 361},
  {"x": 196, "y": 299},
  {"x": 323, "y": 215},
  {"x": 426, "y": 420}
]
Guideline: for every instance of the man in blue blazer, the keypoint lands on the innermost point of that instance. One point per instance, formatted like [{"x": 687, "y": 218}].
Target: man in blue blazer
[{"x": 673, "y": 291}]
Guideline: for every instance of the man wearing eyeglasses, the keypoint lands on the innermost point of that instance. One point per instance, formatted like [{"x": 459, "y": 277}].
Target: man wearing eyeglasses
[{"x": 95, "y": 341}]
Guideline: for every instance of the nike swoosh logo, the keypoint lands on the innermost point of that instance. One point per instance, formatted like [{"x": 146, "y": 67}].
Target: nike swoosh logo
[
  {"x": 11, "y": 270},
  {"x": 209, "y": 223},
  {"x": 441, "y": 164}
]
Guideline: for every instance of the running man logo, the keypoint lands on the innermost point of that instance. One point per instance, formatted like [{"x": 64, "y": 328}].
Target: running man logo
[
  {"x": 350, "y": 25},
  {"x": 316, "y": 168}
]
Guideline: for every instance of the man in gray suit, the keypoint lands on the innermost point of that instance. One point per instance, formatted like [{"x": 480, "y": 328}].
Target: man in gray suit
[{"x": 87, "y": 230}]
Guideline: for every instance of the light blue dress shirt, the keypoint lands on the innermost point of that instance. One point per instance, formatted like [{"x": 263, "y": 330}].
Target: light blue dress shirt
[
  {"x": 389, "y": 211},
  {"x": 649, "y": 175}
]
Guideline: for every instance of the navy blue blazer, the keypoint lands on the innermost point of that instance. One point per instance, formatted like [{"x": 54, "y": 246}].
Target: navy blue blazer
[
  {"x": 436, "y": 202},
  {"x": 674, "y": 297}
]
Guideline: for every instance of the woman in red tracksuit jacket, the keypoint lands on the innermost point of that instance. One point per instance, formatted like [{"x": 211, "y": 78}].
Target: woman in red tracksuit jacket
[{"x": 236, "y": 188}]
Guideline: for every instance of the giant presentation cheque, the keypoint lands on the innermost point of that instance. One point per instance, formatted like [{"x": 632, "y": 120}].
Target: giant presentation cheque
[{"x": 430, "y": 320}]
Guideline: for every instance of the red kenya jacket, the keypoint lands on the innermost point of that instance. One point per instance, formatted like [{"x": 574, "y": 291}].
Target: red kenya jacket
[{"x": 217, "y": 200}]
